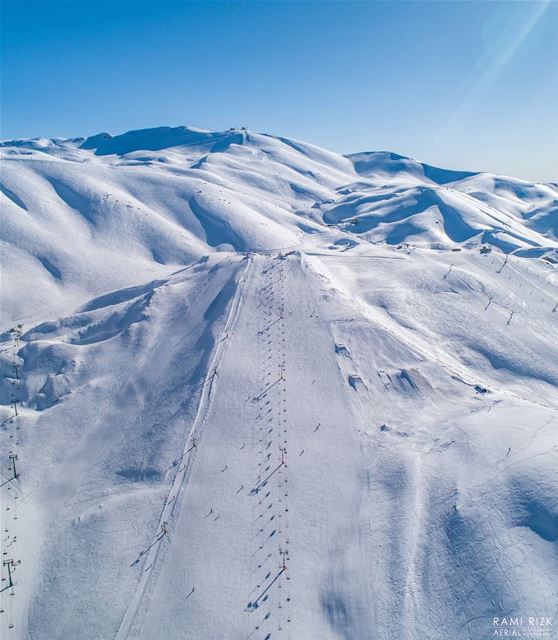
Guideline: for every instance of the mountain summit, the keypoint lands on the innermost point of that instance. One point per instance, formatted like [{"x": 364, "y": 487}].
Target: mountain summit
[
  {"x": 109, "y": 211},
  {"x": 255, "y": 389}
]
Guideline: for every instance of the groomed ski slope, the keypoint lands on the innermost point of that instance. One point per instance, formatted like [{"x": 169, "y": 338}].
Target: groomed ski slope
[
  {"x": 320, "y": 464},
  {"x": 235, "y": 531},
  {"x": 270, "y": 392}
]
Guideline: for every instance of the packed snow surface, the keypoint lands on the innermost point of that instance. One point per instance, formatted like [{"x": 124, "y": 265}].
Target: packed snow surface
[{"x": 268, "y": 392}]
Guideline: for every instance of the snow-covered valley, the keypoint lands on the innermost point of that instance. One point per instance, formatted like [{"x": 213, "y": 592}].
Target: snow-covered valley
[{"x": 267, "y": 391}]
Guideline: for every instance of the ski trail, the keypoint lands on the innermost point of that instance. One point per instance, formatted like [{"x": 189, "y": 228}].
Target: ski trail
[
  {"x": 248, "y": 520},
  {"x": 412, "y": 605},
  {"x": 128, "y": 625}
]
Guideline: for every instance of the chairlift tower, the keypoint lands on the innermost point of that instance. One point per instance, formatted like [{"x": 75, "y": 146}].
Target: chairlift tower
[
  {"x": 13, "y": 458},
  {"x": 11, "y": 565}
]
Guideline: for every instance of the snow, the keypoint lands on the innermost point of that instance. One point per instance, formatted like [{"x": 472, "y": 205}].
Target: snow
[{"x": 266, "y": 391}]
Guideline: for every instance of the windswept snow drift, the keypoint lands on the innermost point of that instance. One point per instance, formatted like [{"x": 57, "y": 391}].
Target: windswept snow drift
[{"x": 265, "y": 391}]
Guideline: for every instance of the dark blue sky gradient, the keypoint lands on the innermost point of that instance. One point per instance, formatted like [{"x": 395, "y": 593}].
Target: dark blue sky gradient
[{"x": 460, "y": 84}]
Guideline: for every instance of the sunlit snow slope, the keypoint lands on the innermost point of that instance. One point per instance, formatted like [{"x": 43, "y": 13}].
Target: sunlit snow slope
[{"x": 262, "y": 391}]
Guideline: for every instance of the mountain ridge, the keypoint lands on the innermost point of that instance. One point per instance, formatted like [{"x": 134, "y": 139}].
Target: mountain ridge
[{"x": 253, "y": 386}]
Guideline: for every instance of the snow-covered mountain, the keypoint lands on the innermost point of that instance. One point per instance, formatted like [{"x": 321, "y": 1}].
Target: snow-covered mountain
[
  {"x": 267, "y": 391},
  {"x": 90, "y": 215}
]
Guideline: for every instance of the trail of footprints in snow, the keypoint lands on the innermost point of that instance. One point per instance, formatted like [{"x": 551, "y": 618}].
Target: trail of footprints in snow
[
  {"x": 270, "y": 597},
  {"x": 10, "y": 494}
]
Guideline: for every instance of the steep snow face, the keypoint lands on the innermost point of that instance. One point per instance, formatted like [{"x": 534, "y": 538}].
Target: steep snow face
[{"x": 265, "y": 391}]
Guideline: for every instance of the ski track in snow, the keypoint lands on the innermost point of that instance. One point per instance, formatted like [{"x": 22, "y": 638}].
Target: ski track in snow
[
  {"x": 172, "y": 504},
  {"x": 267, "y": 392}
]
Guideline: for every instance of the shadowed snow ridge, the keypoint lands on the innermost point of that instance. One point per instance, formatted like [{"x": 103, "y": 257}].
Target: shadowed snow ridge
[
  {"x": 111, "y": 211},
  {"x": 254, "y": 389}
]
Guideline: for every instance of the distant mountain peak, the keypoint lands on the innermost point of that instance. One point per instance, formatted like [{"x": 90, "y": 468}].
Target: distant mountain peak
[
  {"x": 388, "y": 162},
  {"x": 153, "y": 139}
]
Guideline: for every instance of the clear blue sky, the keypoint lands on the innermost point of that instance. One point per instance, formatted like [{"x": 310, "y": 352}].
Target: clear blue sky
[{"x": 469, "y": 85}]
